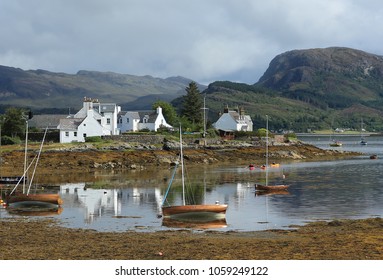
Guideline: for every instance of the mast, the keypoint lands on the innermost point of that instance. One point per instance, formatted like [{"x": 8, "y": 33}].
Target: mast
[
  {"x": 25, "y": 154},
  {"x": 38, "y": 157},
  {"x": 267, "y": 149},
  {"x": 182, "y": 169}
]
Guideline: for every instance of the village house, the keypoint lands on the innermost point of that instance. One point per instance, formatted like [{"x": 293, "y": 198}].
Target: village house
[
  {"x": 93, "y": 119},
  {"x": 233, "y": 120},
  {"x": 135, "y": 120}
]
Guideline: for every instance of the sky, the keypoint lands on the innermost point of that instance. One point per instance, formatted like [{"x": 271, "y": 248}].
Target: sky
[{"x": 203, "y": 40}]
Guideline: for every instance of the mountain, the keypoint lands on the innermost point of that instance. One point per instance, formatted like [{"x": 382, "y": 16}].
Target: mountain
[
  {"x": 331, "y": 77},
  {"x": 40, "y": 89},
  {"x": 312, "y": 89},
  {"x": 320, "y": 88}
]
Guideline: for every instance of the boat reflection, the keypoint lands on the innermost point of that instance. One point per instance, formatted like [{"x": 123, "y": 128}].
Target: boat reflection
[
  {"x": 35, "y": 211},
  {"x": 194, "y": 223},
  {"x": 272, "y": 192}
]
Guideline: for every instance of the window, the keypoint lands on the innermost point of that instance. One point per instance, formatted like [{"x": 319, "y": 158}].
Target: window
[
  {"x": 107, "y": 121},
  {"x": 75, "y": 134},
  {"x": 66, "y": 133},
  {"x": 84, "y": 135},
  {"x": 127, "y": 120}
]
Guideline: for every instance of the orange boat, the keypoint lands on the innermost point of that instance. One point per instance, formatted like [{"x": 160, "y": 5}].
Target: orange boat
[
  {"x": 271, "y": 187},
  {"x": 17, "y": 200},
  {"x": 198, "y": 210},
  {"x": 194, "y": 210},
  {"x": 266, "y": 186}
]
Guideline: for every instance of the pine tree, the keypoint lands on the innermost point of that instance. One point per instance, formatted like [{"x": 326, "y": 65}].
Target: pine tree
[{"x": 192, "y": 104}]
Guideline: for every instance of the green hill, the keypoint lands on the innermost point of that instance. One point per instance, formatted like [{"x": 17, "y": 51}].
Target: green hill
[
  {"x": 39, "y": 89},
  {"x": 311, "y": 89}
]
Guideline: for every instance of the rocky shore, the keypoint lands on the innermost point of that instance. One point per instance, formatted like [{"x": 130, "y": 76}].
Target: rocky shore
[{"x": 119, "y": 155}]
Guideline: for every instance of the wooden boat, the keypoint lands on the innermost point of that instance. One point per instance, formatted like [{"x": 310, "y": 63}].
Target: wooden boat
[
  {"x": 373, "y": 156},
  {"x": 17, "y": 200},
  {"x": 272, "y": 192},
  {"x": 266, "y": 186},
  {"x": 184, "y": 210},
  {"x": 215, "y": 210},
  {"x": 274, "y": 164},
  {"x": 271, "y": 187},
  {"x": 25, "y": 199}
]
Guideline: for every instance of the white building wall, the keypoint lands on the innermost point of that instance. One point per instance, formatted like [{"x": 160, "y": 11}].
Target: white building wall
[
  {"x": 68, "y": 136},
  {"x": 89, "y": 127}
]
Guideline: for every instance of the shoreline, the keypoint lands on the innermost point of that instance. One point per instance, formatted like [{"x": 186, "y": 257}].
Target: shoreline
[{"x": 87, "y": 157}]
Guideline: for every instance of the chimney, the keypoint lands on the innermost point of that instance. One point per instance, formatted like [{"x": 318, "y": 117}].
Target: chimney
[{"x": 159, "y": 110}]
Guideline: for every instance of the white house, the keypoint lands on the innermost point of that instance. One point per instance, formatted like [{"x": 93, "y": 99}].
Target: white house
[
  {"x": 77, "y": 129},
  {"x": 232, "y": 120},
  {"x": 135, "y": 121},
  {"x": 94, "y": 119}
]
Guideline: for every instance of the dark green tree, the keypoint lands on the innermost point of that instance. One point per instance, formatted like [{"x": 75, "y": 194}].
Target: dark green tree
[
  {"x": 192, "y": 104},
  {"x": 168, "y": 111},
  {"x": 13, "y": 122}
]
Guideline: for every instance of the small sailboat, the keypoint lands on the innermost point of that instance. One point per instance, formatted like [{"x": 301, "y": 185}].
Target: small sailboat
[
  {"x": 266, "y": 186},
  {"x": 32, "y": 202},
  {"x": 362, "y": 140},
  {"x": 213, "y": 211}
]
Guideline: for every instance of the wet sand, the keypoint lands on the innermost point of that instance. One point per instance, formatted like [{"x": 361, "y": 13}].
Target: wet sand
[{"x": 45, "y": 239}]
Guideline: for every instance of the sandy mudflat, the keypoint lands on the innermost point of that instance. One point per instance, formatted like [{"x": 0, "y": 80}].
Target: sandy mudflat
[{"x": 45, "y": 239}]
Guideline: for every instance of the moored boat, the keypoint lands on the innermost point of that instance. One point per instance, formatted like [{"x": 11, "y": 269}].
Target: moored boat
[{"x": 190, "y": 210}]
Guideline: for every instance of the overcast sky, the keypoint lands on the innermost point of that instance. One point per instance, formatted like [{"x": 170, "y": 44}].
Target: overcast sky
[{"x": 204, "y": 40}]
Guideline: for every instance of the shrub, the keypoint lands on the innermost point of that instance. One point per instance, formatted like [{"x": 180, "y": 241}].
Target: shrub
[
  {"x": 7, "y": 140},
  {"x": 93, "y": 139}
]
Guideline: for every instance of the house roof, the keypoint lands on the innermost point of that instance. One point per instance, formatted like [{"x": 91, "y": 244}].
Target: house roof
[
  {"x": 152, "y": 115},
  {"x": 43, "y": 121},
  {"x": 70, "y": 123}
]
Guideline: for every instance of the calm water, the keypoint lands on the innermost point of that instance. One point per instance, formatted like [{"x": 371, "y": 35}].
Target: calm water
[{"x": 318, "y": 191}]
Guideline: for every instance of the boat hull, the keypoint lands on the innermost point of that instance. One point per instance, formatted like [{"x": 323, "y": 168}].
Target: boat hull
[
  {"x": 33, "y": 199},
  {"x": 271, "y": 187},
  {"x": 216, "y": 210}
]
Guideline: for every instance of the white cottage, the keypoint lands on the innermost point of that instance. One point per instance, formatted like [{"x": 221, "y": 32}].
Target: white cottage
[
  {"x": 94, "y": 119},
  {"x": 232, "y": 120},
  {"x": 135, "y": 121},
  {"x": 77, "y": 129}
]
